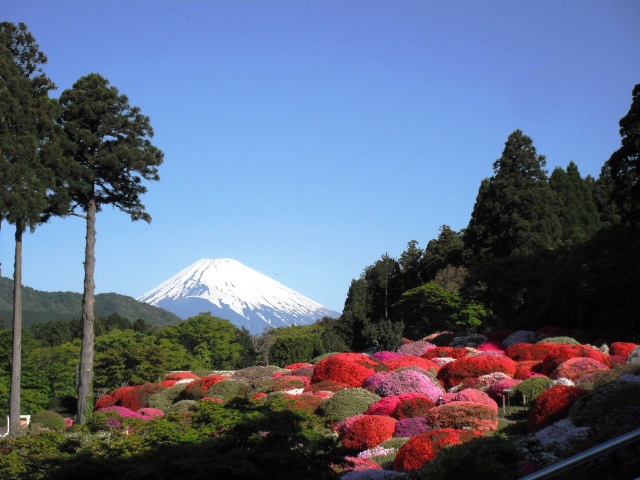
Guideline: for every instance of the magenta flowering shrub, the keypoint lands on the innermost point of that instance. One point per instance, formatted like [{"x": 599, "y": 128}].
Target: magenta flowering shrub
[
  {"x": 404, "y": 381},
  {"x": 385, "y": 355},
  {"x": 410, "y": 427},
  {"x": 497, "y": 389},
  {"x": 361, "y": 466},
  {"x": 151, "y": 412},
  {"x": 124, "y": 412},
  {"x": 386, "y": 405},
  {"x": 490, "y": 346}
]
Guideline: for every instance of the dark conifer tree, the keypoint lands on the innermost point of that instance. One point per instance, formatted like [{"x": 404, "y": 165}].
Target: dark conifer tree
[
  {"x": 109, "y": 144},
  {"x": 574, "y": 204},
  {"x": 513, "y": 214},
  {"x": 624, "y": 164},
  {"x": 29, "y": 159}
]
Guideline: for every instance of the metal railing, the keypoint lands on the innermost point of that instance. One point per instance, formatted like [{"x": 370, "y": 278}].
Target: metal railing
[{"x": 582, "y": 457}]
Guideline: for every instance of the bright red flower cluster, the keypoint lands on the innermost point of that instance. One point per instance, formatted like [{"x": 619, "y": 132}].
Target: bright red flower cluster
[
  {"x": 199, "y": 388},
  {"x": 180, "y": 375},
  {"x": 348, "y": 368},
  {"x": 133, "y": 398},
  {"x": 366, "y": 431},
  {"x": 552, "y": 405},
  {"x": 411, "y": 361},
  {"x": 446, "y": 352},
  {"x": 622, "y": 349},
  {"x": 453, "y": 373},
  {"x": 578, "y": 368},
  {"x": 416, "y": 406},
  {"x": 295, "y": 366},
  {"x": 564, "y": 352},
  {"x": 424, "y": 447}
]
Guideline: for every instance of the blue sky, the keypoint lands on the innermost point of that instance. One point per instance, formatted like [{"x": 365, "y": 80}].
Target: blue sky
[{"x": 307, "y": 138}]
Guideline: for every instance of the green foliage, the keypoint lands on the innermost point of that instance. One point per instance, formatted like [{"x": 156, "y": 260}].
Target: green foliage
[
  {"x": 164, "y": 399},
  {"x": 213, "y": 341},
  {"x": 228, "y": 389},
  {"x": 531, "y": 388},
  {"x": 481, "y": 458},
  {"x": 296, "y": 344},
  {"x": 561, "y": 340},
  {"x": 347, "y": 403},
  {"x": 431, "y": 307},
  {"x": 48, "y": 419},
  {"x": 606, "y": 401},
  {"x": 624, "y": 164}
]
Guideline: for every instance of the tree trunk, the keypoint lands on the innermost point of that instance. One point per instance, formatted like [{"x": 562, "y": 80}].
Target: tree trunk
[
  {"x": 1, "y": 219},
  {"x": 16, "y": 361},
  {"x": 85, "y": 380}
]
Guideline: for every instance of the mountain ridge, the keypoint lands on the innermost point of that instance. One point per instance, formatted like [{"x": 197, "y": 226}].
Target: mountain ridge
[
  {"x": 40, "y": 306},
  {"x": 231, "y": 290}
]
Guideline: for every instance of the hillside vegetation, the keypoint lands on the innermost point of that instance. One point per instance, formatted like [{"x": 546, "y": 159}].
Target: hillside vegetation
[{"x": 41, "y": 307}]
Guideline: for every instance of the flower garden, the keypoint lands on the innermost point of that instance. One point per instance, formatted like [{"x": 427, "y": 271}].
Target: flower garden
[{"x": 507, "y": 403}]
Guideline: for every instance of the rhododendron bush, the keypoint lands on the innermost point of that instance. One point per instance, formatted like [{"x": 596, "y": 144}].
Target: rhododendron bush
[
  {"x": 404, "y": 381},
  {"x": 552, "y": 405},
  {"x": 366, "y": 431},
  {"x": 349, "y": 368},
  {"x": 424, "y": 447},
  {"x": 464, "y": 415},
  {"x": 455, "y": 372}
]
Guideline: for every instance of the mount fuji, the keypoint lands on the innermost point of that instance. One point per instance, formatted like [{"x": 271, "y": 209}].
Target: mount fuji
[{"x": 232, "y": 291}]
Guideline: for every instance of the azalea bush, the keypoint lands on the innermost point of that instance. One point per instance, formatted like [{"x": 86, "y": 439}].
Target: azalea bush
[
  {"x": 349, "y": 368},
  {"x": 365, "y": 431},
  {"x": 453, "y": 373},
  {"x": 414, "y": 406},
  {"x": 552, "y": 405},
  {"x": 464, "y": 415},
  {"x": 404, "y": 381},
  {"x": 423, "y": 448}
]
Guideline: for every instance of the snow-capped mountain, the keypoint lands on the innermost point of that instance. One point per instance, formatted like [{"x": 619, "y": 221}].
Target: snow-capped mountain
[{"x": 228, "y": 289}]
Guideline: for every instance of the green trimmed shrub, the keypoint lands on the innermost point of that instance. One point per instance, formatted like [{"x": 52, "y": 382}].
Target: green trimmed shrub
[
  {"x": 605, "y": 402},
  {"x": 561, "y": 340},
  {"x": 531, "y": 388},
  {"x": 347, "y": 403},
  {"x": 228, "y": 389},
  {"x": 49, "y": 419},
  {"x": 251, "y": 374},
  {"x": 163, "y": 400},
  {"x": 184, "y": 406}
]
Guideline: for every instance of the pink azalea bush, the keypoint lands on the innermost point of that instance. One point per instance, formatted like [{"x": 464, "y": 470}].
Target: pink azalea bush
[
  {"x": 410, "y": 427},
  {"x": 404, "y": 381},
  {"x": 417, "y": 348},
  {"x": 581, "y": 369}
]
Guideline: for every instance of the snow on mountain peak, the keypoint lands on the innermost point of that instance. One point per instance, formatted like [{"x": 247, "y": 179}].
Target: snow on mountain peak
[{"x": 231, "y": 290}]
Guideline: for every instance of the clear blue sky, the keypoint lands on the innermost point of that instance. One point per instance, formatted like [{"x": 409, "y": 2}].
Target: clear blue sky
[{"x": 307, "y": 138}]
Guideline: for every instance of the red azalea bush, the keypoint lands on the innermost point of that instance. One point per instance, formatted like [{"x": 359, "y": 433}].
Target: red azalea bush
[
  {"x": 168, "y": 383},
  {"x": 464, "y": 415},
  {"x": 552, "y": 405},
  {"x": 448, "y": 352},
  {"x": 490, "y": 346},
  {"x": 564, "y": 352},
  {"x": 415, "y": 406},
  {"x": 528, "y": 368},
  {"x": 295, "y": 366},
  {"x": 530, "y": 351},
  {"x": 360, "y": 464},
  {"x": 423, "y": 448},
  {"x": 200, "y": 387},
  {"x": 386, "y": 405},
  {"x": 366, "y": 431},
  {"x": 180, "y": 375},
  {"x": 133, "y": 397},
  {"x": 411, "y": 361},
  {"x": 453, "y": 373},
  {"x": 348, "y": 368},
  {"x": 581, "y": 369},
  {"x": 622, "y": 349}
]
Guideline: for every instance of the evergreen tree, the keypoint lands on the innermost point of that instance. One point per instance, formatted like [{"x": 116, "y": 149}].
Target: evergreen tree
[
  {"x": 513, "y": 211},
  {"x": 446, "y": 250},
  {"x": 624, "y": 164},
  {"x": 575, "y": 204},
  {"x": 411, "y": 265},
  {"x": 28, "y": 161},
  {"x": 109, "y": 144}
]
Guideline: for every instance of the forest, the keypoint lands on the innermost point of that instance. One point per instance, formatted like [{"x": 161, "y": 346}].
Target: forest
[{"x": 541, "y": 251}]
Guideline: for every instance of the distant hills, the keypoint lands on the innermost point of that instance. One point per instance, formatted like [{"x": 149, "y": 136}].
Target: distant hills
[
  {"x": 228, "y": 289},
  {"x": 40, "y": 307}
]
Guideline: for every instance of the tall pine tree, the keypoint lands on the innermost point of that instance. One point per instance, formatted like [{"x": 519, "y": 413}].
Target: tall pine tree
[
  {"x": 513, "y": 213},
  {"x": 109, "y": 143}
]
